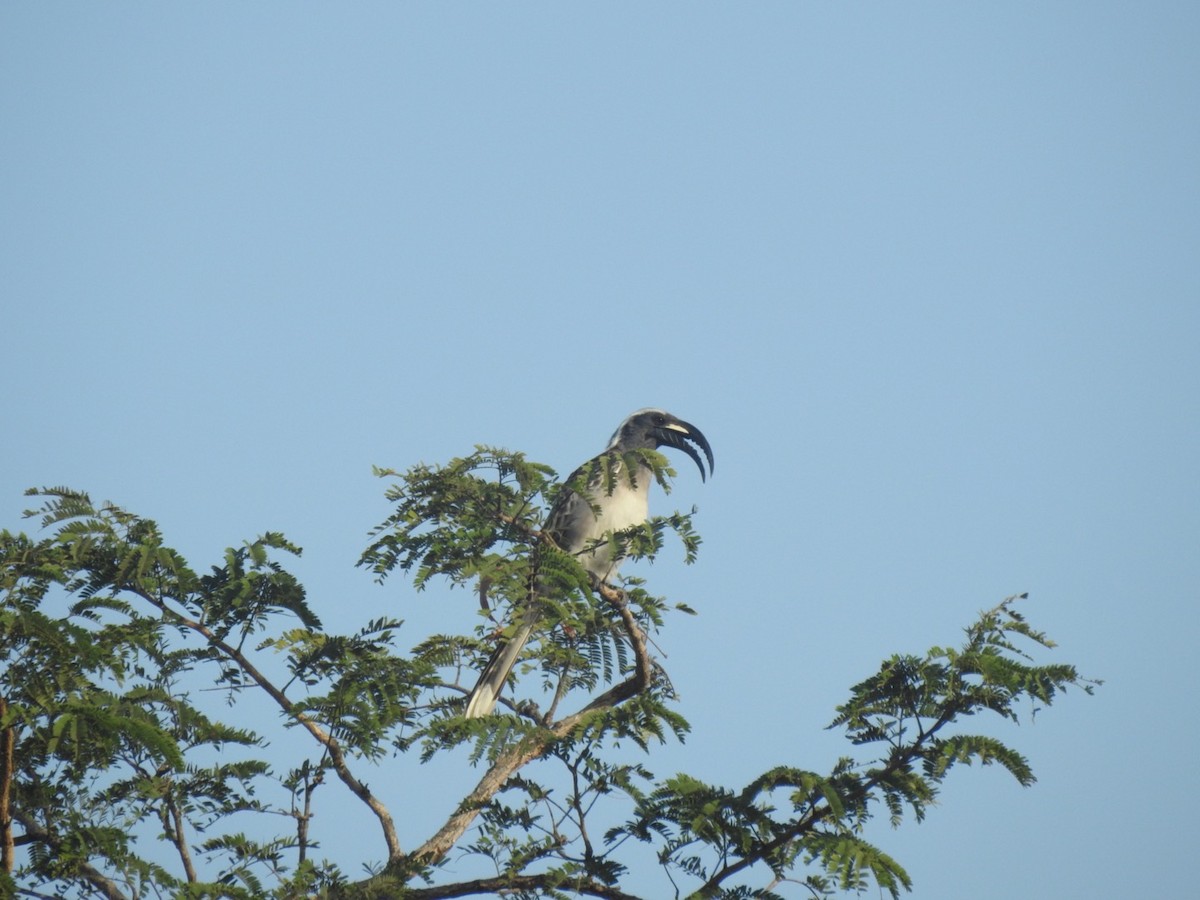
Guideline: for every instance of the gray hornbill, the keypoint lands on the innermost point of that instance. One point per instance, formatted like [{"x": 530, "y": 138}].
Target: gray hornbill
[{"x": 577, "y": 522}]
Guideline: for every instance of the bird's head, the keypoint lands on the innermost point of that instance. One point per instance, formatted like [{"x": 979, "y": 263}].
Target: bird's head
[{"x": 654, "y": 428}]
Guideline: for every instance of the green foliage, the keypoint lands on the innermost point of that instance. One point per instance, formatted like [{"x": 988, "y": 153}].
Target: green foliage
[
  {"x": 125, "y": 784},
  {"x": 905, "y": 709}
]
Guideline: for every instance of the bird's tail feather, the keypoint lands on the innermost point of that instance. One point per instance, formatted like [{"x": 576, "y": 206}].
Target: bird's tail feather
[{"x": 491, "y": 680}]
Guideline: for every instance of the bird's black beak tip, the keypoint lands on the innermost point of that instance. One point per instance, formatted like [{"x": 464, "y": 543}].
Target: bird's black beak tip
[{"x": 693, "y": 442}]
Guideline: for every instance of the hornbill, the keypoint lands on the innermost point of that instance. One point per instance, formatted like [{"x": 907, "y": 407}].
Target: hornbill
[{"x": 612, "y": 501}]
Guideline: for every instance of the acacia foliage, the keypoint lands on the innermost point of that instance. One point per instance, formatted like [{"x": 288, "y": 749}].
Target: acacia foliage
[{"x": 119, "y": 777}]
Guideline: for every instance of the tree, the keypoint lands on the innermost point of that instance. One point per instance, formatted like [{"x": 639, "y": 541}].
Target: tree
[{"x": 109, "y": 634}]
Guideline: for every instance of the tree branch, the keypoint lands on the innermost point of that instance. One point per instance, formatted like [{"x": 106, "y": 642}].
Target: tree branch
[
  {"x": 805, "y": 824},
  {"x": 643, "y": 665},
  {"x": 337, "y": 756},
  {"x": 90, "y": 873},
  {"x": 7, "y": 741},
  {"x": 535, "y": 745},
  {"x": 502, "y": 884},
  {"x": 172, "y": 820}
]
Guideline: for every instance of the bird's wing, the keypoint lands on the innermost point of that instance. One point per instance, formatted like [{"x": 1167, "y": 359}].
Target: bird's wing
[{"x": 572, "y": 517}]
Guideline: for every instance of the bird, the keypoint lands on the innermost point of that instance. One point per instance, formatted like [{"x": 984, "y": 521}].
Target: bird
[{"x": 611, "y": 501}]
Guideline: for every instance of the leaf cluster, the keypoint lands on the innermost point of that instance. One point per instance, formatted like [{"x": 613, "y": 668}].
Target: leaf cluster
[{"x": 104, "y": 631}]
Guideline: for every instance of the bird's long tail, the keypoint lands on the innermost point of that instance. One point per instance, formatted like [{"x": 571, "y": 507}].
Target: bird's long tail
[{"x": 491, "y": 680}]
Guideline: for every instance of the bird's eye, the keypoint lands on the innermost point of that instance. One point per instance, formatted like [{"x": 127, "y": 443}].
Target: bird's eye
[{"x": 660, "y": 420}]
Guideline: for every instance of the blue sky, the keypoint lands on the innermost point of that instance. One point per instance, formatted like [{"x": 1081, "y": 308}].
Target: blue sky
[{"x": 925, "y": 274}]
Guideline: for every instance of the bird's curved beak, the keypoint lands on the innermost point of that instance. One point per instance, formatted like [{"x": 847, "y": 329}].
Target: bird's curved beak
[{"x": 682, "y": 436}]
